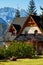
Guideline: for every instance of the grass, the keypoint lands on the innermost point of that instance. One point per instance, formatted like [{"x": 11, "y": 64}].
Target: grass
[{"x": 24, "y": 62}]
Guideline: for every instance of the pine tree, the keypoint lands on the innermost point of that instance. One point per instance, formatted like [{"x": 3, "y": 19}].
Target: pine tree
[
  {"x": 41, "y": 8},
  {"x": 41, "y": 16},
  {"x": 31, "y": 8},
  {"x": 17, "y": 13}
]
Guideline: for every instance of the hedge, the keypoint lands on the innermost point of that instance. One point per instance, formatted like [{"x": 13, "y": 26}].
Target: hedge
[{"x": 17, "y": 49}]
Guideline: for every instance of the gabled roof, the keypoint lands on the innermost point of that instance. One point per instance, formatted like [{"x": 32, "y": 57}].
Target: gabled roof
[
  {"x": 37, "y": 20},
  {"x": 19, "y": 21},
  {"x": 17, "y": 27},
  {"x": 34, "y": 18}
]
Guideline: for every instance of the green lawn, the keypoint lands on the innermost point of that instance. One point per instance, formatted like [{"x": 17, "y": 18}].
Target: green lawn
[{"x": 24, "y": 62}]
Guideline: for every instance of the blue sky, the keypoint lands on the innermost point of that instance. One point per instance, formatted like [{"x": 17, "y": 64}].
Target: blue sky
[{"x": 22, "y": 4}]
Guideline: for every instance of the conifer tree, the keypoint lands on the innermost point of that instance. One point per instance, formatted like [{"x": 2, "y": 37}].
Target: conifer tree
[
  {"x": 17, "y": 14},
  {"x": 31, "y": 8},
  {"x": 41, "y": 16}
]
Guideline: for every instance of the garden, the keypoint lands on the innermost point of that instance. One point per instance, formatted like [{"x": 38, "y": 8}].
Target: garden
[{"x": 19, "y": 53}]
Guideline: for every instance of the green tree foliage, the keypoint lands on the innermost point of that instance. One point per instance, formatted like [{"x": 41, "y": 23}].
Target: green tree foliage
[
  {"x": 41, "y": 8},
  {"x": 17, "y": 13},
  {"x": 41, "y": 16},
  {"x": 2, "y": 53},
  {"x": 31, "y": 8},
  {"x": 17, "y": 49},
  {"x": 20, "y": 50}
]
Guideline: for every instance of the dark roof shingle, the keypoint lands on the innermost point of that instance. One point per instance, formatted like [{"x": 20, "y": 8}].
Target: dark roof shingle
[
  {"x": 37, "y": 19},
  {"x": 18, "y": 27},
  {"x": 19, "y": 21},
  {"x": 27, "y": 37}
]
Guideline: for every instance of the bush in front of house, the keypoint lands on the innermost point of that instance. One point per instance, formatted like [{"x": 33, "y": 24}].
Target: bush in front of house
[
  {"x": 2, "y": 53},
  {"x": 20, "y": 50},
  {"x": 17, "y": 50}
]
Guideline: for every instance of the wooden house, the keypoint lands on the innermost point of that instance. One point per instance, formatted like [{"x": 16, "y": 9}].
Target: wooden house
[
  {"x": 25, "y": 24},
  {"x": 16, "y": 25},
  {"x": 27, "y": 29}
]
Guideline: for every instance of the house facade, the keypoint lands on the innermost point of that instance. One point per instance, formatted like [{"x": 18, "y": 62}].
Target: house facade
[
  {"x": 26, "y": 24},
  {"x": 27, "y": 29},
  {"x": 30, "y": 26}
]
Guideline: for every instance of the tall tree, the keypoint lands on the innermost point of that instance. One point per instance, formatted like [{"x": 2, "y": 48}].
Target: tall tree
[
  {"x": 41, "y": 8},
  {"x": 17, "y": 13},
  {"x": 41, "y": 16},
  {"x": 31, "y": 8}
]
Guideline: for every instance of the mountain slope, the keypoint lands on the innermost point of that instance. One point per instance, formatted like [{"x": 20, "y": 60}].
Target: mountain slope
[
  {"x": 8, "y": 13},
  {"x": 3, "y": 27}
]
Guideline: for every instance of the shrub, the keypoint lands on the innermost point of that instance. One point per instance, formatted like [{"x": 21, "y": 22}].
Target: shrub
[
  {"x": 18, "y": 50},
  {"x": 2, "y": 53}
]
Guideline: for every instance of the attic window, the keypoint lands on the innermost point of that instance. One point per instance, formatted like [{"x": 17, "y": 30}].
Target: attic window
[{"x": 36, "y": 32}]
